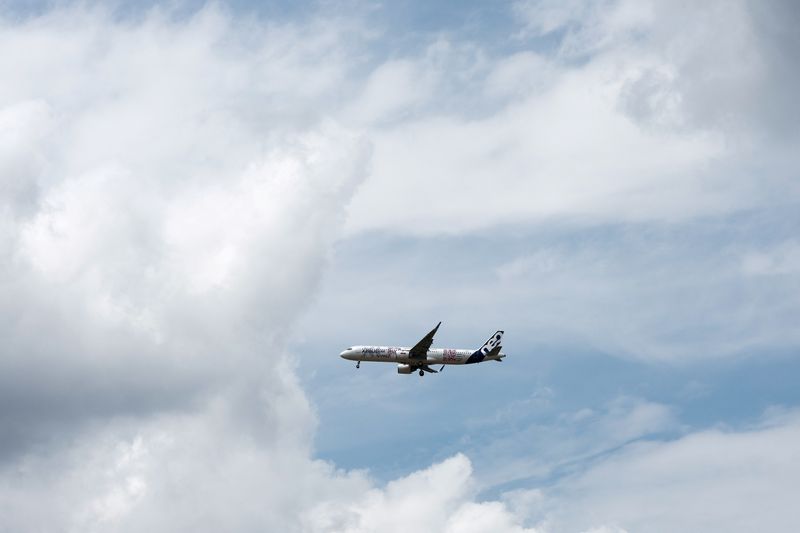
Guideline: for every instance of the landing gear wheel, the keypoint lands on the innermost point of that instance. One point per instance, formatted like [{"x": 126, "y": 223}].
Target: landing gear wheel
[
  {"x": 421, "y": 372},
  {"x": 358, "y": 365}
]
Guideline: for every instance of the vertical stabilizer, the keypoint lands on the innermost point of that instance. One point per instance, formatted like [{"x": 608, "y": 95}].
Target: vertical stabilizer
[{"x": 491, "y": 343}]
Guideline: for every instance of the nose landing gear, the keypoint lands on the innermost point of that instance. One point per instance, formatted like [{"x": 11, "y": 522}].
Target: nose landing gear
[{"x": 358, "y": 364}]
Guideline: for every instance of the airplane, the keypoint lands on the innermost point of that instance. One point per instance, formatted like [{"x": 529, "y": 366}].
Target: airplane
[{"x": 420, "y": 357}]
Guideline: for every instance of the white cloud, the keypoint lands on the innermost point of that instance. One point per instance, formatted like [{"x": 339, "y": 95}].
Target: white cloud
[
  {"x": 392, "y": 90},
  {"x": 165, "y": 225},
  {"x": 714, "y": 480},
  {"x": 435, "y": 499},
  {"x": 152, "y": 211},
  {"x": 657, "y": 121},
  {"x": 565, "y": 151},
  {"x": 781, "y": 259},
  {"x": 202, "y": 472},
  {"x": 545, "y": 16},
  {"x": 518, "y": 74}
]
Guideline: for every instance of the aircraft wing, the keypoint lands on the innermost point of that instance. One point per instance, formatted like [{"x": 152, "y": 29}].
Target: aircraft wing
[{"x": 420, "y": 350}]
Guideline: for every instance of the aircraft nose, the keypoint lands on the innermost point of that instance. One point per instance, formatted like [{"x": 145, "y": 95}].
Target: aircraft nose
[{"x": 344, "y": 354}]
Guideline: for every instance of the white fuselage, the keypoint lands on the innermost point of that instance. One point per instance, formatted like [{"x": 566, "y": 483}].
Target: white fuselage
[{"x": 391, "y": 354}]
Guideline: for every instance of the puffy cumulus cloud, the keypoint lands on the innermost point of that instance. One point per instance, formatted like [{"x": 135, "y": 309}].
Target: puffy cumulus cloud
[
  {"x": 163, "y": 223},
  {"x": 206, "y": 472},
  {"x": 170, "y": 190},
  {"x": 436, "y": 499},
  {"x": 201, "y": 470},
  {"x": 713, "y": 480},
  {"x": 164, "y": 220},
  {"x": 640, "y": 114}
]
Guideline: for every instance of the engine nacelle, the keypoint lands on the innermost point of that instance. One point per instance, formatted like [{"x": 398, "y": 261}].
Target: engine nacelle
[{"x": 404, "y": 369}]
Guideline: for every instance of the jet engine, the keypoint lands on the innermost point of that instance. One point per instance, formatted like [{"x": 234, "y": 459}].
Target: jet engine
[{"x": 404, "y": 369}]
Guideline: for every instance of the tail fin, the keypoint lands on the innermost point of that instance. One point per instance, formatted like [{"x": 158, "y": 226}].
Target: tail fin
[
  {"x": 490, "y": 347},
  {"x": 492, "y": 343}
]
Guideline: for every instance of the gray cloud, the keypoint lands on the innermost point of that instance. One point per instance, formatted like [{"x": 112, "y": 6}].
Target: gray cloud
[
  {"x": 737, "y": 77},
  {"x": 156, "y": 248}
]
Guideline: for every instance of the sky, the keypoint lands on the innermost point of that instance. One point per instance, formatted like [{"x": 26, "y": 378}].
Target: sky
[{"x": 202, "y": 204}]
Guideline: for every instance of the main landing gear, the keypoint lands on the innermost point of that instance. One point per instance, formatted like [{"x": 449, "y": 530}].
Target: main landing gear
[{"x": 421, "y": 373}]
